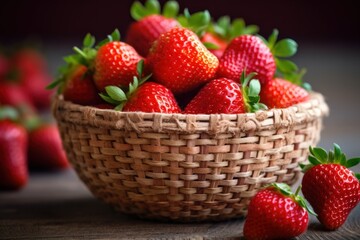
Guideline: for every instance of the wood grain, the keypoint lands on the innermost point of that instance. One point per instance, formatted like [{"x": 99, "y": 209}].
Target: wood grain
[{"x": 58, "y": 206}]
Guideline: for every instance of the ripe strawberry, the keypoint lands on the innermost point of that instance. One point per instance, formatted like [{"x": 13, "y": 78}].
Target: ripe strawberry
[
  {"x": 45, "y": 148},
  {"x": 115, "y": 64},
  {"x": 79, "y": 87},
  {"x": 29, "y": 61},
  {"x": 13, "y": 95},
  {"x": 143, "y": 97},
  {"x": 223, "y": 31},
  {"x": 217, "y": 46},
  {"x": 223, "y": 95},
  {"x": 330, "y": 187},
  {"x": 150, "y": 23},
  {"x": 280, "y": 93},
  {"x": 248, "y": 52},
  {"x": 276, "y": 213},
  {"x": 180, "y": 62},
  {"x": 34, "y": 85},
  {"x": 13, "y": 145}
]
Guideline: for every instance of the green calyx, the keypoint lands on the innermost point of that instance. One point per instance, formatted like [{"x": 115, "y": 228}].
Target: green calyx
[
  {"x": 228, "y": 30},
  {"x": 9, "y": 113},
  {"x": 285, "y": 68},
  {"x": 117, "y": 97},
  {"x": 197, "y": 22},
  {"x": 84, "y": 56},
  {"x": 151, "y": 7},
  {"x": 285, "y": 190},
  {"x": 250, "y": 89},
  {"x": 320, "y": 156}
]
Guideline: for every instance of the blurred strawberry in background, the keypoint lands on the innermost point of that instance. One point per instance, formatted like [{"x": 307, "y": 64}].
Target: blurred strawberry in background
[{"x": 27, "y": 136}]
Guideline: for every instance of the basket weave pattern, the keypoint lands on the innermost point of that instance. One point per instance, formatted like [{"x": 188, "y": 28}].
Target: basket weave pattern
[{"x": 186, "y": 167}]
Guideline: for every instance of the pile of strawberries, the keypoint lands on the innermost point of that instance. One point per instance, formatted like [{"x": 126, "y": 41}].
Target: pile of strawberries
[
  {"x": 26, "y": 137},
  {"x": 171, "y": 63}
]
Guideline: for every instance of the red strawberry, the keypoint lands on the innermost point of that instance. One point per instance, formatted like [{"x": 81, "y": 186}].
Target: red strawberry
[
  {"x": 219, "y": 44},
  {"x": 143, "y": 97},
  {"x": 281, "y": 93},
  {"x": 276, "y": 213},
  {"x": 13, "y": 161},
  {"x": 34, "y": 85},
  {"x": 150, "y": 23},
  {"x": 223, "y": 31},
  {"x": 45, "y": 148},
  {"x": 115, "y": 64},
  {"x": 29, "y": 61},
  {"x": 226, "y": 96},
  {"x": 13, "y": 95},
  {"x": 143, "y": 33},
  {"x": 250, "y": 53},
  {"x": 330, "y": 187},
  {"x": 79, "y": 87},
  {"x": 180, "y": 62}
]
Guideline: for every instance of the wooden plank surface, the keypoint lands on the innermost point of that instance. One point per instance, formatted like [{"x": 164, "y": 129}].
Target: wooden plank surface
[{"x": 58, "y": 206}]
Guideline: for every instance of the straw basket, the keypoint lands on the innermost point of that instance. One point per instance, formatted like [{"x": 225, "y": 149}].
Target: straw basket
[{"x": 186, "y": 167}]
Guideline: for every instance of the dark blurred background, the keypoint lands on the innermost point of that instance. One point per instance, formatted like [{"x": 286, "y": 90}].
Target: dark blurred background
[
  {"x": 328, "y": 33},
  {"x": 319, "y": 21}
]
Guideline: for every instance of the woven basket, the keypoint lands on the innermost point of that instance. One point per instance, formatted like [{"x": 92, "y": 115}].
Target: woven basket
[{"x": 186, "y": 167}]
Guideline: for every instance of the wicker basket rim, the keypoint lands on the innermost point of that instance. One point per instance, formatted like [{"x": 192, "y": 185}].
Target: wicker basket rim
[{"x": 270, "y": 119}]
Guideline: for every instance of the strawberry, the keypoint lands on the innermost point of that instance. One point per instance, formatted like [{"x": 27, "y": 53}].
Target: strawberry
[
  {"x": 180, "y": 62},
  {"x": 13, "y": 145},
  {"x": 29, "y": 61},
  {"x": 79, "y": 87},
  {"x": 223, "y": 95},
  {"x": 276, "y": 213},
  {"x": 34, "y": 84},
  {"x": 214, "y": 44},
  {"x": 45, "y": 148},
  {"x": 150, "y": 24},
  {"x": 330, "y": 187},
  {"x": 280, "y": 93},
  {"x": 13, "y": 95},
  {"x": 115, "y": 64},
  {"x": 143, "y": 97},
  {"x": 248, "y": 52},
  {"x": 223, "y": 31}
]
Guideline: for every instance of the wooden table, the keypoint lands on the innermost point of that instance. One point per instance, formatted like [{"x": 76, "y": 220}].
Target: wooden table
[{"x": 58, "y": 205}]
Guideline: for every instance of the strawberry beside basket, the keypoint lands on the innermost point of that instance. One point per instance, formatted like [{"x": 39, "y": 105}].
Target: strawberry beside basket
[{"x": 186, "y": 167}]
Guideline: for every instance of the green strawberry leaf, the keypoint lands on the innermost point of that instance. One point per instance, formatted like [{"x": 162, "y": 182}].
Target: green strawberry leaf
[
  {"x": 171, "y": 9},
  {"x": 254, "y": 89},
  {"x": 283, "y": 188},
  {"x": 152, "y": 7},
  {"x": 114, "y": 36},
  {"x": 7, "y": 112},
  {"x": 272, "y": 39},
  {"x": 211, "y": 46},
  {"x": 137, "y": 11},
  {"x": 115, "y": 93},
  {"x": 337, "y": 153},
  {"x": 197, "y": 22},
  {"x": 140, "y": 67},
  {"x": 285, "y": 48},
  {"x": 286, "y": 66},
  {"x": 357, "y": 175},
  {"x": 313, "y": 160},
  {"x": 54, "y": 84},
  {"x": 319, "y": 153},
  {"x": 352, "y": 162},
  {"x": 108, "y": 99},
  {"x": 306, "y": 86},
  {"x": 89, "y": 41}
]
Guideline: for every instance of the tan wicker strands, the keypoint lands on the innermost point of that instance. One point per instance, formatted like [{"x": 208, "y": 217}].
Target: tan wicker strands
[{"x": 186, "y": 167}]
